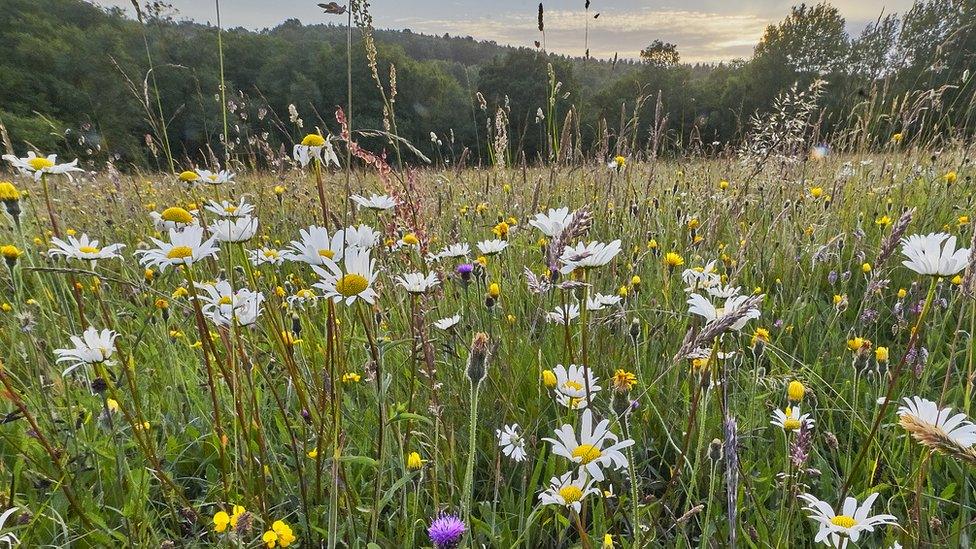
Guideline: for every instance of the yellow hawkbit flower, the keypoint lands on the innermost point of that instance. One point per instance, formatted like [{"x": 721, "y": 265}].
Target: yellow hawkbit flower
[
  {"x": 501, "y": 230},
  {"x": 414, "y": 462},
  {"x": 623, "y": 291},
  {"x": 189, "y": 176},
  {"x": 494, "y": 290},
  {"x": 881, "y": 354},
  {"x": 761, "y": 335},
  {"x": 652, "y": 244},
  {"x": 865, "y": 268},
  {"x": 507, "y": 188},
  {"x": 883, "y": 221},
  {"x": 795, "y": 391},
  {"x": 635, "y": 281},
  {"x": 510, "y": 319},
  {"x": 482, "y": 260},
  {"x": 963, "y": 220},
  {"x": 858, "y": 343},
  {"x": 8, "y": 192},
  {"x": 673, "y": 259},
  {"x": 693, "y": 223},
  {"x": 623, "y": 381},
  {"x": 351, "y": 377},
  {"x": 180, "y": 292},
  {"x": 313, "y": 453},
  {"x": 71, "y": 232},
  {"x": 956, "y": 280},
  {"x": 10, "y": 253},
  {"x": 607, "y": 541},
  {"x": 161, "y": 304},
  {"x": 950, "y": 177},
  {"x": 723, "y": 184},
  {"x": 6, "y": 307},
  {"x": 902, "y": 292},
  {"x": 548, "y": 378},
  {"x": 897, "y": 137},
  {"x": 279, "y": 190},
  {"x": 816, "y": 192}
]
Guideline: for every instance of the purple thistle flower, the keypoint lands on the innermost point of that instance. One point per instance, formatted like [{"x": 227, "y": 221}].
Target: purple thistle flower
[
  {"x": 464, "y": 271},
  {"x": 446, "y": 530}
]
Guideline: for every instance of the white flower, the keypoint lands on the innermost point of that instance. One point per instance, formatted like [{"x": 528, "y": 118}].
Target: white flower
[
  {"x": 226, "y": 208},
  {"x": 791, "y": 420},
  {"x": 704, "y": 308},
  {"x": 84, "y": 249},
  {"x": 956, "y": 428},
  {"x": 418, "y": 283},
  {"x": 40, "y": 165},
  {"x": 225, "y": 307},
  {"x": 325, "y": 153},
  {"x": 563, "y": 315},
  {"x": 701, "y": 278},
  {"x": 596, "y": 448},
  {"x": 93, "y": 347},
  {"x": 8, "y": 538},
  {"x": 316, "y": 248},
  {"x": 362, "y": 236},
  {"x": 553, "y": 222},
  {"x": 266, "y": 255},
  {"x": 567, "y": 491},
  {"x": 357, "y": 282},
  {"x": 723, "y": 292},
  {"x": 185, "y": 247},
  {"x": 447, "y": 323},
  {"x": 933, "y": 254},
  {"x": 588, "y": 256},
  {"x": 570, "y": 389},
  {"x": 454, "y": 250},
  {"x": 598, "y": 302},
  {"x": 511, "y": 442},
  {"x": 234, "y": 229},
  {"x": 375, "y": 201},
  {"x": 492, "y": 247},
  {"x": 215, "y": 178},
  {"x": 850, "y": 523}
]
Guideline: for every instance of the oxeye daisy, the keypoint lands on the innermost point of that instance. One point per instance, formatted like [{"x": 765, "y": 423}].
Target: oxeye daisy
[
  {"x": 215, "y": 178},
  {"x": 511, "y": 442},
  {"x": 701, "y": 278},
  {"x": 316, "y": 247},
  {"x": 93, "y": 347},
  {"x": 84, "y": 249},
  {"x": 226, "y": 307},
  {"x": 552, "y": 222},
  {"x": 699, "y": 305},
  {"x": 362, "y": 236},
  {"x": 356, "y": 281},
  {"x": 938, "y": 429},
  {"x": 790, "y": 419},
  {"x": 375, "y": 201},
  {"x": 235, "y": 229},
  {"x": 571, "y": 384},
  {"x": 588, "y": 256},
  {"x": 836, "y": 529},
  {"x": 185, "y": 247},
  {"x": 568, "y": 491},
  {"x": 453, "y": 251},
  {"x": 447, "y": 323},
  {"x": 598, "y": 302},
  {"x": 301, "y": 297},
  {"x": 226, "y": 208},
  {"x": 37, "y": 166},
  {"x": 492, "y": 247},
  {"x": 934, "y": 254},
  {"x": 265, "y": 255},
  {"x": 315, "y": 147},
  {"x": 596, "y": 448},
  {"x": 418, "y": 283},
  {"x": 564, "y": 315}
]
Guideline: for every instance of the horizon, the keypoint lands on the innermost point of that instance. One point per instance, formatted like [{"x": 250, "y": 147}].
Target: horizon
[{"x": 705, "y": 31}]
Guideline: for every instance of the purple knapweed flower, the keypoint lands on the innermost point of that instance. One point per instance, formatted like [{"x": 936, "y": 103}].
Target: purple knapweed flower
[{"x": 446, "y": 530}]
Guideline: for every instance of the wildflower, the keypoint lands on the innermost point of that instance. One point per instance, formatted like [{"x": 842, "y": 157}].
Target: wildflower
[
  {"x": 589, "y": 450},
  {"x": 316, "y": 248},
  {"x": 477, "y": 366},
  {"x": 501, "y": 230},
  {"x": 865, "y": 268},
  {"x": 93, "y": 347},
  {"x": 938, "y": 429},
  {"x": 265, "y": 255},
  {"x": 723, "y": 184},
  {"x": 447, "y": 323},
  {"x": 492, "y": 247},
  {"x": 351, "y": 377},
  {"x": 494, "y": 290},
  {"x": 10, "y": 197},
  {"x": 10, "y": 254},
  {"x": 950, "y": 177},
  {"x": 314, "y": 146},
  {"x": 816, "y": 192},
  {"x": 410, "y": 239},
  {"x": 84, "y": 249},
  {"x": 902, "y": 292},
  {"x": 796, "y": 391},
  {"x": 588, "y": 256},
  {"x": 414, "y": 462},
  {"x": 418, "y": 283},
  {"x": 454, "y": 251},
  {"x": 235, "y": 229},
  {"x": 375, "y": 202},
  {"x": 568, "y": 491},
  {"x": 956, "y": 280},
  {"x": 225, "y": 307},
  {"x": 760, "y": 337},
  {"x": 563, "y": 315},
  {"x": 362, "y": 236},
  {"x": 934, "y": 254},
  {"x": 623, "y": 381},
  {"x": 790, "y": 419},
  {"x": 215, "y": 178},
  {"x": 897, "y": 137},
  {"x": 617, "y": 163},
  {"x": 549, "y": 379},
  {"x": 172, "y": 218},
  {"x": 852, "y": 521},
  {"x": 673, "y": 260},
  {"x": 511, "y": 442},
  {"x": 704, "y": 308},
  {"x": 185, "y": 248},
  {"x": 220, "y": 521},
  {"x": 598, "y": 302},
  {"x": 188, "y": 176},
  {"x": 883, "y": 221},
  {"x": 446, "y": 531},
  {"x": 571, "y": 385},
  {"x": 357, "y": 282},
  {"x": 881, "y": 354},
  {"x": 553, "y": 222},
  {"x": 37, "y": 166}
]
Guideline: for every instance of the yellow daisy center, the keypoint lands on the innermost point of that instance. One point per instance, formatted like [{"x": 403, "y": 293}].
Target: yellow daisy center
[
  {"x": 225, "y": 300},
  {"x": 271, "y": 254},
  {"x": 177, "y": 215},
  {"x": 313, "y": 140},
  {"x": 180, "y": 252},
  {"x": 39, "y": 163},
  {"x": 574, "y": 385},
  {"x": 328, "y": 254},
  {"x": 230, "y": 209},
  {"x": 89, "y": 250},
  {"x": 844, "y": 521},
  {"x": 791, "y": 424},
  {"x": 351, "y": 284},
  {"x": 587, "y": 453},
  {"x": 188, "y": 176},
  {"x": 571, "y": 494}
]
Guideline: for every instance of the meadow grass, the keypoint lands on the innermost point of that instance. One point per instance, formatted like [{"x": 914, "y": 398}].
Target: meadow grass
[{"x": 312, "y": 415}]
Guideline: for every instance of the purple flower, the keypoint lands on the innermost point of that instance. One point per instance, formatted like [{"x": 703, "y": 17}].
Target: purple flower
[
  {"x": 446, "y": 530},
  {"x": 464, "y": 270}
]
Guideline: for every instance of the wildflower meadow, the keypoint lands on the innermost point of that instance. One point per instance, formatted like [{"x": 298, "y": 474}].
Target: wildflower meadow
[{"x": 358, "y": 344}]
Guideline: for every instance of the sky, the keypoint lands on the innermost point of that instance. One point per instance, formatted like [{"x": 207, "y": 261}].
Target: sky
[{"x": 704, "y": 30}]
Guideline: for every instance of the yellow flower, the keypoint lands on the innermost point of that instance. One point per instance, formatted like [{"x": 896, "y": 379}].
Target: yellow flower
[
  {"x": 511, "y": 319},
  {"x": 693, "y": 223},
  {"x": 313, "y": 453},
  {"x": 623, "y": 291},
  {"x": 494, "y": 290},
  {"x": 902, "y": 292},
  {"x": 795, "y": 391},
  {"x": 410, "y": 239},
  {"x": 950, "y": 177},
  {"x": 760, "y": 335},
  {"x": 865, "y": 268},
  {"x": 881, "y": 354},
  {"x": 176, "y": 214},
  {"x": 279, "y": 190},
  {"x": 220, "y": 521},
  {"x": 6, "y": 307},
  {"x": 723, "y": 184},
  {"x": 351, "y": 377},
  {"x": 482, "y": 260},
  {"x": 507, "y": 188},
  {"x": 270, "y": 539},
  {"x": 672, "y": 260},
  {"x": 501, "y": 230},
  {"x": 620, "y": 161},
  {"x": 963, "y": 220},
  {"x": 237, "y": 512},
  {"x": 10, "y": 253},
  {"x": 162, "y": 304},
  {"x": 414, "y": 462},
  {"x": 623, "y": 381},
  {"x": 635, "y": 281},
  {"x": 652, "y": 244},
  {"x": 189, "y": 176},
  {"x": 180, "y": 292},
  {"x": 548, "y": 378},
  {"x": 313, "y": 140},
  {"x": 816, "y": 192},
  {"x": 285, "y": 535},
  {"x": 8, "y": 193},
  {"x": 607, "y": 541},
  {"x": 883, "y": 221},
  {"x": 957, "y": 280},
  {"x": 857, "y": 343},
  {"x": 897, "y": 137}
]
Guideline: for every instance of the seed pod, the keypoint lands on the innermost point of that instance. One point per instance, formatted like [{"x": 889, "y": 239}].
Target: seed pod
[{"x": 478, "y": 358}]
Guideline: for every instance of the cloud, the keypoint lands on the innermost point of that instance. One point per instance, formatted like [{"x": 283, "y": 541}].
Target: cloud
[{"x": 700, "y": 36}]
